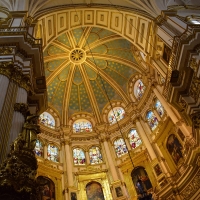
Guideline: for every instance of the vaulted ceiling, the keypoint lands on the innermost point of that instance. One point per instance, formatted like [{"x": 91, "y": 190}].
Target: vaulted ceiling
[{"x": 87, "y": 67}]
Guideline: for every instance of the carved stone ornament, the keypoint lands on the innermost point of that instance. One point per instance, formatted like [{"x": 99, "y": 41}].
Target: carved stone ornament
[
  {"x": 15, "y": 73},
  {"x": 18, "y": 171},
  {"x": 6, "y": 50},
  {"x": 196, "y": 120},
  {"x": 192, "y": 188},
  {"x": 22, "y": 108}
]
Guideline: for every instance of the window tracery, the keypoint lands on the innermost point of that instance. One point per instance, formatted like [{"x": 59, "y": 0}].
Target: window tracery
[
  {"x": 52, "y": 153},
  {"x": 82, "y": 125},
  {"x": 139, "y": 89},
  {"x": 134, "y": 139},
  {"x": 95, "y": 155},
  {"x": 39, "y": 148},
  {"x": 116, "y": 114},
  {"x": 120, "y": 147},
  {"x": 47, "y": 119},
  {"x": 152, "y": 120},
  {"x": 159, "y": 108},
  {"x": 78, "y": 156}
]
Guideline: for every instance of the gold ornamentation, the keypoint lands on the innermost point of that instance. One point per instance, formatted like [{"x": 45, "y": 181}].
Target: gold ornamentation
[
  {"x": 22, "y": 108},
  {"x": 15, "y": 73},
  {"x": 77, "y": 56},
  {"x": 196, "y": 120},
  {"x": 6, "y": 50},
  {"x": 18, "y": 171},
  {"x": 192, "y": 188}
]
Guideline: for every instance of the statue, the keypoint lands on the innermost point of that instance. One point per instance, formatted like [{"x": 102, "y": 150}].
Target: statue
[{"x": 18, "y": 171}]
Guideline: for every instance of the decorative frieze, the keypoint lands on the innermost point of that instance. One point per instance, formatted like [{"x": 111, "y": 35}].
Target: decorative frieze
[{"x": 6, "y": 50}]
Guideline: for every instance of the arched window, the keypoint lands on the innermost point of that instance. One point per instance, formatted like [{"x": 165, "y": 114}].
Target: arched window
[
  {"x": 95, "y": 155},
  {"x": 82, "y": 125},
  {"x": 120, "y": 147},
  {"x": 116, "y": 114},
  {"x": 139, "y": 89},
  {"x": 38, "y": 148},
  {"x": 159, "y": 108},
  {"x": 174, "y": 147},
  {"x": 47, "y": 119},
  {"x": 79, "y": 156},
  {"x": 152, "y": 120},
  {"x": 53, "y": 153},
  {"x": 134, "y": 139}
]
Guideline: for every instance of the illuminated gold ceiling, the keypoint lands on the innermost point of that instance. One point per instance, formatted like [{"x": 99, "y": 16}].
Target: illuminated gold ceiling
[{"x": 85, "y": 67}]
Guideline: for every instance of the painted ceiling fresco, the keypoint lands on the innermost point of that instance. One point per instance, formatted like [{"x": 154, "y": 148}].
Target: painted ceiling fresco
[{"x": 85, "y": 67}]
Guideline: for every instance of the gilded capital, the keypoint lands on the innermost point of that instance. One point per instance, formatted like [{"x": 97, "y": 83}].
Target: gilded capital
[{"x": 22, "y": 108}]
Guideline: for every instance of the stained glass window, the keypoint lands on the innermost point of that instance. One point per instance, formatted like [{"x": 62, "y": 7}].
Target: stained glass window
[
  {"x": 120, "y": 147},
  {"x": 53, "y": 153},
  {"x": 139, "y": 89},
  {"x": 159, "y": 108},
  {"x": 134, "y": 139},
  {"x": 38, "y": 148},
  {"x": 152, "y": 120},
  {"x": 82, "y": 125},
  {"x": 47, "y": 119},
  {"x": 116, "y": 115},
  {"x": 79, "y": 156},
  {"x": 95, "y": 155}
]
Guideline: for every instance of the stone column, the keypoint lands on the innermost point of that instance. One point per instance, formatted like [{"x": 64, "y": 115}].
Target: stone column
[
  {"x": 4, "y": 81},
  {"x": 45, "y": 151},
  {"x": 156, "y": 114},
  {"x": 171, "y": 114},
  {"x": 127, "y": 143},
  {"x": 110, "y": 160},
  {"x": 145, "y": 139},
  {"x": 20, "y": 109},
  {"x": 69, "y": 164},
  {"x": 87, "y": 157}
]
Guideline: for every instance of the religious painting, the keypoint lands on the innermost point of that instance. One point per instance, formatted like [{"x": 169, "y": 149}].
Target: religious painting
[
  {"x": 166, "y": 53},
  {"x": 120, "y": 147},
  {"x": 157, "y": 170},
  {"x": 46, "y": 188},
  {"x": 95, "y": 155},
  {"x": 141, "y": 180},
  {"x": 174, "y": 147},
  {"x": 73, "y": 196},
  {"x": 94, "y": 191},
  {"x": 118, "y": 191}
]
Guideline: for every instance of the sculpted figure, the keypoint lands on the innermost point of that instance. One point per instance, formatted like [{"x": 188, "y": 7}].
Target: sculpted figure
[{"x": 30, "y": 131}]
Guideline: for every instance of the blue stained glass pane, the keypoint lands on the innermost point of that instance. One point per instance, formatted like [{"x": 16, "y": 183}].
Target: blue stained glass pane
[
  {"x": 53, "y": 153},
  {"x": 79, "y": 156},
  {"x": 116, "y": 115},
  {"x": 38, "y": 148},
  {"x": 152, "y": 120},
  {"x": 95, "y": 155},
  {"x": 134, "y": 139},
  {"x": 46, "y": 119},
  {"x": 82, "y": 126},
  {"x": 159, "y": 108},
  {"x": 120, "y": 147}
]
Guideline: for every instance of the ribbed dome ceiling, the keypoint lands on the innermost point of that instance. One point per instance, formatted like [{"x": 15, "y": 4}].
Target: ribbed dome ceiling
[{"x": 81, "y": 64}]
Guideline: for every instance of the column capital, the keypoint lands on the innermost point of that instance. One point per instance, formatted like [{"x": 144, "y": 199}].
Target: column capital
[{"x": 22, "y": 108}]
